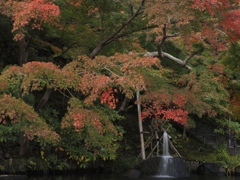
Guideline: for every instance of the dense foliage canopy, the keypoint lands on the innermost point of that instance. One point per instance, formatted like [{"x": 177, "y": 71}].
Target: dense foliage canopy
[{"x": 70, "y": 70}]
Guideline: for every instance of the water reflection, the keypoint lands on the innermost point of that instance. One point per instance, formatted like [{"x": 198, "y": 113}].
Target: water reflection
[{"x": 121, "y": 177}]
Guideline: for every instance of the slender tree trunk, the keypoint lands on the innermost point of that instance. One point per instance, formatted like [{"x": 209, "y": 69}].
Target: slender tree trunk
[
  {"x": 184, "y": 132},
  {"x": 23, "y": 45},
  {"x": 96, "y": 50},
  {"x": 140, "y": 126},
  {"x": 45, "y": 98},
  {"x": 24, "y": 145},
  {"x": 123, "y": 105}
]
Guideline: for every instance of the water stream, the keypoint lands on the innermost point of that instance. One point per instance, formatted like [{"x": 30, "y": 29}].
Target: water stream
[
  {"x": 166, "y": 163},
  {"x": 165, "y": 145}
]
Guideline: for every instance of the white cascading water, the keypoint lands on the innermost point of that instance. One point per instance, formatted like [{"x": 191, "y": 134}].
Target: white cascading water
[
  {"x": 166, "y": 161},
  {"x": 165, "y": 144}
]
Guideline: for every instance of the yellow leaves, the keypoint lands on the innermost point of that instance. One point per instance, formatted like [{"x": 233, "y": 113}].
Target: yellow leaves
[
  {"x": 59, "y": 149},
  {"x": 42, "y": 154}
]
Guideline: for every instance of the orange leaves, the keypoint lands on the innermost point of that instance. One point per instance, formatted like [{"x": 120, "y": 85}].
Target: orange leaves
[
  {"x": 217, "y": 68},
  {"x": 89, "y": 77},
  {"x": 179, "y": 100},
  {"x": 218, "y": 23},
  {"x": 213, "y": 38},
  {"x": 167, "y": 113},
  {"x": 91, "y": 128},
  {"x": 3, "y": 85},
  {"x": 225, "y": 12},
  {"x": 132, "y": 61},
  {"x": 92, "y": 85},
  {"x": 8, "y": 110},
  {"x": 93, "y": 76},
  {"x": 209, "y": 5},
  {"x": 32, "y": 76},
  {"x": 77, "y": 122},
  {"x": 165, "y": 108},
  {"x": 83, "y": 118},
  {"x": 177, "y": 115},
  {"x": 33, "y": 12},
  {"x": 75, "y": 2},
  {"x": 107, "y": 97},
  {"x": 13, "y": 111},
  {"x": 35, "y": 65},
  {"x": 231, "y": 24},
  {"x": 38, "y": 75},
  {"x": 96, "y": 122},
  {"x": 80, "y": 117},
  {"x": 164, "y": 11}
]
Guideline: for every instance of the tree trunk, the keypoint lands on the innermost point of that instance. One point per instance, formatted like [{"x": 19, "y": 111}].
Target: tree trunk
[
  {"x": 184, "y": 132},
  {"x": 23, "y": 50},
  {"x": 96, "y": 50},
  {"x": 123, "y": 106},
  {"x": 140, "y": 127},
  {"x": 45, "y": 98},
  {"x": 24, "y": 146}
]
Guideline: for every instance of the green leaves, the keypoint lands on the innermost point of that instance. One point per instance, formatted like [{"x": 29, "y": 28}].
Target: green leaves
[
  {"x": 20, "y": 117},
  {"x": 9, "y": 133},
  {"x": 91, "y": 130},
  {"x": 227, "y": 161}
]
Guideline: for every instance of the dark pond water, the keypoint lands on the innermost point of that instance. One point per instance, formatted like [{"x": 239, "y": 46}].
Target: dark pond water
[{"x": 120, "y": 177}]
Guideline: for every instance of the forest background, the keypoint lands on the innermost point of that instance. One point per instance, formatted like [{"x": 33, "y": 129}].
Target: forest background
[{"x": 71, "y": 72}]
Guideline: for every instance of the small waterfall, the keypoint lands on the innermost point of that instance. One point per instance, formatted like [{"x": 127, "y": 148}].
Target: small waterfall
[
  {"x": 165, "y": 144},
  {"x": 164, "y": 166},
  {"x": 166, "y": 163}
]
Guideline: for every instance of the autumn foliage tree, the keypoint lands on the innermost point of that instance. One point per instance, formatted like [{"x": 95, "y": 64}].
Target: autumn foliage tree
[
  {"x": 29, "y": 13},
  {"x": 25, "y": 14},
  {"x": 103, "y": 65},
  {"x": 88, "y": 84}
]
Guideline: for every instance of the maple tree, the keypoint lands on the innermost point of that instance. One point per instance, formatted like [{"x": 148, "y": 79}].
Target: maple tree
[
  {"x": 189, "y": 94},
  {"x": 15, "y": 111},
  {"x": 80, "y": 77},
  {"x": 33, "y": 13},
  {"x": 95, "y": 79},
  {"x": 27, "y": 12},
  {"x": 210, "y": 28}
]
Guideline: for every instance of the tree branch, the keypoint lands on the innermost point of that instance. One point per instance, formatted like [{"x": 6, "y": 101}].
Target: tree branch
[
  {"x": 130, "y": 32},
  {"x": 161, "y": 53},
  {"x": 112, "y": 36}
]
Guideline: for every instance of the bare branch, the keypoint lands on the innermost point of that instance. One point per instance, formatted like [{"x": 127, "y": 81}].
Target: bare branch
[
  {"x": 191, "y": 55},
  {"x": 169, "y": 56},
  {"x": 64, "y": 94},
  {"x": 179, "y": 61},
  {"x": 162, "y": 54},
  {"x": 111, "y": 71},
  {"x": 112, "y": 36}
]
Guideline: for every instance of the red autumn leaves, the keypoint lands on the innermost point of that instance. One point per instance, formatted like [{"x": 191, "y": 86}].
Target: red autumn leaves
[{"x": 168, "y": 110}]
